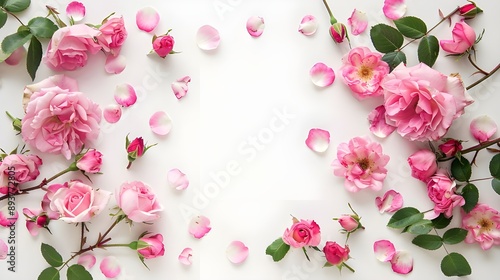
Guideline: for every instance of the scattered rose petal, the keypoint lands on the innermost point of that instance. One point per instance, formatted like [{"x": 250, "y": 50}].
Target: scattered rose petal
[
  {"x": 237, "y": 252},
  {"x": 255, "y": 26},
  {"x": 87, "y": 260},
  {"x": 394, "y": 9},
  {"x": 378, "y": 125},
  {"x": 177, "y": 179},
  {"x": 6, "y": 217},
  {"x": 482, "y": 128},
  {"x": 322, "y": 75},
  {"x": 402, "y": 262},
  {"x": 185, "y": 256},
  {"x": 147, "y": 19},
  {"x": 76, "y": 11},
  {"x": 115, "y": 64},
  {"x": 160, "y": 123},
  {"x": 318, "y": 140},
  {"x": 125, "y": 95},
  {"x": 16, "y": 57},
  {"x": 3, "y": 250},
  {"x": 199, "y": 226},
  {"x": 392, "y": 201},
  {"x": 112, "y": 113},
  {"x": 180, "y": 87},
  {"x": 308, "y": 25},
  {"x": 207, "y": 38},
  {"x": 384, "y": 250},
  {"x": 358, "y": 22},
  {"x": 110, "y": 267}
]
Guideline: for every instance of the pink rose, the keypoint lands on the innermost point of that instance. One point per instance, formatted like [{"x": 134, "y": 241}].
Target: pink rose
[
  {"x": 463, "y": 39},
  {"x": 17, "y": 169},
  {"x": 138, "y": 202},
  {"x": 469, "y": 11},
  {"x": 60, "y": 120},
  {"x": 338, "y": 32},
  {"x": 483, "y": 224},
  {"x": 37, "y": 219},
  {"x": 302, "y": 233},
  {"x": 421, "y": 102},
  {"x": 67, "y": 50},
  {"x": 348, "y": 223},
  {"x": 423, "y": 164},
  {"x": 450, "y": 147},
  {"x": 60, "y": 81},
  {"x": 150, "y": 246},
  {"x": 441, "y": 190},
  {"x": 336, "y": 254},
  {"x": 90, "y": 162},
  {"x": 135, "y": 148},
  {"x": 113, "y": 35},
  {"x": 163, "y": 45},
  {"x": 77, "y": 202}
]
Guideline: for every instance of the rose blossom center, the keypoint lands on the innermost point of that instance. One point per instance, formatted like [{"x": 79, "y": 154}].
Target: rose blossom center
[
  {"x": 365, "y": 73},
  {"x": 485, "y": 224},
  {"x": 364, "y": 163}
]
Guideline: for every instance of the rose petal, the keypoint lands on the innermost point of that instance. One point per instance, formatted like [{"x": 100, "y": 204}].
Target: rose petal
[
  {"x": 6, "y": 217},
  {"x": 308, "y": 25},
  {"x": 207, "y": 38},
  {"x": 255, "y": 26},
  {"x": 322, "y": 75},
  {"x": 125, "y": 95},
  {"x": 147, "y": 19},
  {"x": 358, "y": 22},
  {"x": 402, "y": 262},
  {"x": 16, "y": 57},
  {"x": 110, "y": 267},
  {"x": 177, "y": 179},
  {"x": 392, "y": 201},
  {"x": 75, "y": 10},
  {"x": 160, "y": 123},
  {"x": 384, "y": 250},
  {"x": 87, "y": 260},
  {"x": 199, "y": 226},
  {"x": 318, "y": 140},
  {"x": 378, "y": 124},
  {"x": 180, "y": 87},
  {"x": 237, "y": 252},
  {"x": 394, "y": 9},
  {"x": 3, "y": 250},
  {"x": 112, "y": 113},
  {"x": 115, "y": 64},
  {"x": 483, "y": 127},
  {"x": 185, "y": 256}
]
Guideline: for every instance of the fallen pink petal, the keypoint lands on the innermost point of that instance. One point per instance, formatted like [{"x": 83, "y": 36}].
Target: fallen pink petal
[
  {"x": 185, "y": 256},
  {"x": 384, "y": 250},
  {"x": 318, "y": 140},
  {"x": 76, "y": 11},
  {"x": 357, "y": 22},
  {"x": 160, "y": 123},
  {"x": 115, "y": 64},
  {"x": 394, "y": 9},
  {"x": 177, "y": 179},
  {"x": 378, "y": 125},
  {"x": 308, "y": 25},
  {"x": 199, "y": 226},
  {"x": 87, "y": 260},
  {"x": 125, "y": 95},
  {"x": 16, "y": 57},
  {"x": 237, "y": 252},
  {"x": 110, "y": 267},
  {"x": 322, "y": 75},
  {"x": 402, "y": 262},
  {"x": 391, "y": 202},
  {"x": 147, "y": 19},
  {"x": 3, "y": 250},
  {"x": 483, "y": 127},
  {"x": 180, "y": 87},
  {"x": 6, "y": 217},
  {"x": 112, "y": 113},
  {"x": 207, "y": 38},
  {"x": 255, "y": 26}
]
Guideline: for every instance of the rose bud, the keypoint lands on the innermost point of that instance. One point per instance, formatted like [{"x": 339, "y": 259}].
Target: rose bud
[
  {"x": 338, "y": 32},
  {"x": 150, "y": 246},
  {"x": 469, "y": 11},
  {"x": 37, "y": 219},
  {"x": 135, "y": 149},
  {"x": 336, "y": 254},
  {"x": 89, "y": 162},
  {"x": 450, "y": 147},
  {"x": 163, "y": 45},
  {"x": 348, "y": 223},
  {"x": 423, "y": 164}
]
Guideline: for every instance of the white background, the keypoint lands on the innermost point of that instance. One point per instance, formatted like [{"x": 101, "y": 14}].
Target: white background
[{"x": 235, "y": 93}]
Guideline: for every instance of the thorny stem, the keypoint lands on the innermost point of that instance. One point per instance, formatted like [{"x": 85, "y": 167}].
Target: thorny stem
[
  {"x": 484, "y": 78},
  {"x": 477, "y": 147}
]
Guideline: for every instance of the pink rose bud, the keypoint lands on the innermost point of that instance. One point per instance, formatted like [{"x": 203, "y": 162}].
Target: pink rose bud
[
  {"x": 37, "y": 219},
  {"x": 163, "y": 45},
  {"x": 135, "y": 149},
  {"x": 348, "y": 223},
  {"x": 470, "y": 10},
  {"x": 90, "y": 162},
  {"x": 450, "y": 147},
  {"x": 338, "y": 32},
  {"x": 423, "y": 164},
  {"x": 463, "y": 36},
  {"x": 482, "y": 128},
  {"x": 336, "y": 254},
  {"x": 150, "y": 246}
]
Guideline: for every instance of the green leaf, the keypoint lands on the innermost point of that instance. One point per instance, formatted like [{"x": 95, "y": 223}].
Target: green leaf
[
  {"x": 441, "y": 221},
  {"x": 386, "y": 38},
  {"x": 470, "y": 194},
  {"x": 51, "y": 255},
  {"x": 495, "y": 183},
  {"x": 3, "y": 18},
  {"x": 42, "y": 27},
  {"x": 495, "y": 166},
  {"x": 277, "y": 249},
  {"x": 454, "y": 235},
  {"x": 394, "y": 58},
  {"x": 34, "y": 57},
  {"x": 411, "y": 27},
  {"x": 428, "y": 50},
  {"x": 455, "y": 264},
  {"x": 428, "y": 241},
  {"x": 405, "y": 217},
  {"x": 420, "y": 227},
  {"x": 78, "y": 272},
  {"x": 14, "y": 41},
  {"x": 49, "y": 273},
  {"x": 461, "y": 169},
  {"x": 16, "y": 6}
]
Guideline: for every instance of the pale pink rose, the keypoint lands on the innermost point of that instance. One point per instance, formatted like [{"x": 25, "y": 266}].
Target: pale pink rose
[
  {"x": 483, "y": 224},
  {"x": 61, "y": 81},
  {"x": 441, "y": 190},
  {"x": 150, "y": 246},
  {"x": 450, "y": 147},
  {"x": 163, "y": 45},
  {"x": 362, "y": 164},
  {"x": 302, "y": 233},
  {"x": 113, "y": 35},
  {"x": 138, "y": 202},
  {"x": 336, "y": 254},
  {"x": 363, "y": 71},
  {"x": 68, "y": 48},
  {"x": 47, "y": 198},
  {"x": 59, "y": 120},
  {"x": 77, "y": 202},
  {"x": 421, "y": 102},
  {"x": 17, "y": 169},
  {"x": 423, "y": 164},
  {"x": 482, "y": 128},
  {"x": 464, "y": 37},
  {"x": 90, "y": 162}
]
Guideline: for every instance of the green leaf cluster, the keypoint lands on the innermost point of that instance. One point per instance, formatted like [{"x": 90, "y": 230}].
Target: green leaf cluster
[{"x": 54, "y": 259}]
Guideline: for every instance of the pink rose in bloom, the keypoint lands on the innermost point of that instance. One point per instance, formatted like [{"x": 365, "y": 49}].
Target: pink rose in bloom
[
  {"x": 363, "y": 71},
  {"x": 138, "y": 202},
  {"x": 483, "y": 224},
  {"x": 37, "y": 219},
  {"x": 150, "y": 246},
  {"x": 336, "y": 254},
  {"x": 90, "y": 162},
  {"x": 362, "y": 164},
  {"x": 18, "y": 169},
  {"x": 469, "y": 11},
  {"x": 338, "y": 32},
  {"x": 423, "y": 164},
  {"x": 421, "y": 102},
  {"x": 68, "y": 48},
  {"x": 77, "y": 202},
  {"x": 163, "y": 45},
  {"x": 441, "y": 190},
  {"x": 113, "y": 35},
  {"x": 60, "y": 81},
  {"x": 464, "y": 38},
  {"x": 450, "y": 147},
  {"x": 302, "y": 233}
]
